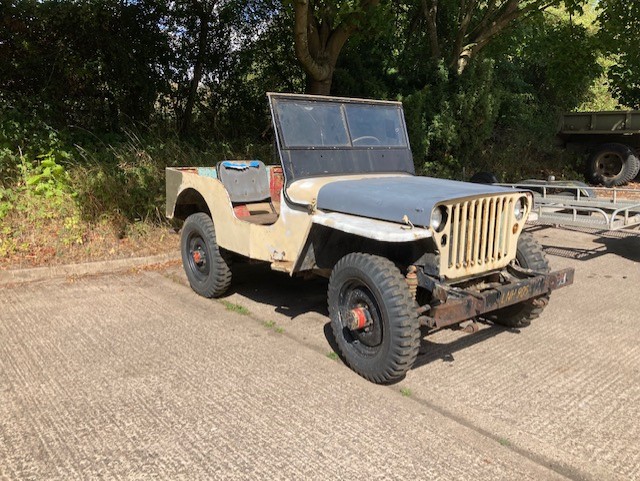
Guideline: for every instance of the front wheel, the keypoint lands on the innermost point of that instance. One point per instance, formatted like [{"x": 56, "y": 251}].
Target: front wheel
[
  {"x": 373, "y": 317},
  {"x": 207, "y": 270},
  {"x": 529, "y": 255}
]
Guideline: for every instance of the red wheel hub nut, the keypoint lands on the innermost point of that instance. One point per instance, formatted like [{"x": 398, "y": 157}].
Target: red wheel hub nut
[{"x": 360, "y": 318}]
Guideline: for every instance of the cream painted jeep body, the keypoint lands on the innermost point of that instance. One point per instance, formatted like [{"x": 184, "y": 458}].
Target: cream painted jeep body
[{"x": 346, "y": 196}]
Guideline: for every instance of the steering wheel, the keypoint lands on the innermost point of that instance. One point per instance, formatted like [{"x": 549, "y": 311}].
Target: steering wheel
[{"x": 367, "y": 137}]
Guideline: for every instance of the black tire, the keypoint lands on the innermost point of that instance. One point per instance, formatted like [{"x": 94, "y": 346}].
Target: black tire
[
  {"x": 207, "y": 269},
  {"x": 385, "y": 351},
  {"x": 529, "y": 255},
  {"x": 484, "y": 178},
  {"x": 612, "y": 165}
]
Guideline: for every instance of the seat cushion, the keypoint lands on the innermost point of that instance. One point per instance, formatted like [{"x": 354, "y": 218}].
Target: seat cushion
[{"x": 245, "y": 181}]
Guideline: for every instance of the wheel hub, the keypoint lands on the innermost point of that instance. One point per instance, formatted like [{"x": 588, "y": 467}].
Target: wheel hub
[
  {"x": 198, "y": 262},
  {"x": 360, "y": 315},
  {"x": 360, "y": 318},
  {"x": 198, "y": 257},
  {"x": 609, "y": 164}
]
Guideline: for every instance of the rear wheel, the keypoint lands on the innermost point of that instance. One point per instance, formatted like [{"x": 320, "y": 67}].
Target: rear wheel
[
  {"x": 207, "y": 269},
  {"x": 529, "y": 255},
  {"x": 373, "y": 317},
  {"x": 612, "y": 164}
]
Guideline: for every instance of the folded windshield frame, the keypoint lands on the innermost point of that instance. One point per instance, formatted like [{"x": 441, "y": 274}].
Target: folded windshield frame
[{"x": 330, "y": 136}]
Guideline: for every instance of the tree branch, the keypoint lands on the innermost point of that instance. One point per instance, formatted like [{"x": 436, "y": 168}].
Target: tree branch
[
  {"x": 466, "y": 14},
  {"x": 430, "y": 12},
  {"x": 301, "y": 42},
  {"x": 342, "y": 32},
  {"x": 489, "y": 28}
]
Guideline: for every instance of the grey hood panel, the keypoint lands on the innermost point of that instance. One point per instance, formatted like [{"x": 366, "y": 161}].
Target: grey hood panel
[{"x": 391, "y": 198}]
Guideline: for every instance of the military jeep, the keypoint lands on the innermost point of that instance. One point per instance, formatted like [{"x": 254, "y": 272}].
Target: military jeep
[{"x": 403, "y": 253}]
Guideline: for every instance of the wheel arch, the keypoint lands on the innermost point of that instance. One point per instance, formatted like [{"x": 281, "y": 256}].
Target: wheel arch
[
  {"x": 325, "y": 246},
  {"x": 190, "y": 201}
]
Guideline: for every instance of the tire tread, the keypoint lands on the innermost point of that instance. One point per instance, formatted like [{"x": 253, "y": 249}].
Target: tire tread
[{"x": 401, "y": 309}]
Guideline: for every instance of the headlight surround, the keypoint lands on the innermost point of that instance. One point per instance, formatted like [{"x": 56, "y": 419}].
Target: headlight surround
[
  {"x": 438, "y": 218},
  {"x": 519, "y": 208}
]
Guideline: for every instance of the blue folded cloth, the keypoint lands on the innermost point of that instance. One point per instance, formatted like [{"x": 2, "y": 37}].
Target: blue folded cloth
[{"x": 240, "y": 165}]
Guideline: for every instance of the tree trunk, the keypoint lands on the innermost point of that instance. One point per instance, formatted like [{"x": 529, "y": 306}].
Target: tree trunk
[
  {"x": 318, "y": 45},
  {"x": 319, "y": 87},
  {"x": 198, "y": 69}
]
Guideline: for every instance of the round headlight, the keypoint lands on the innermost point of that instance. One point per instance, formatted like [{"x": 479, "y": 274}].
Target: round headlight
[
  {"x": 438, "y": 218},
  {"x": 519, "y": 208}
]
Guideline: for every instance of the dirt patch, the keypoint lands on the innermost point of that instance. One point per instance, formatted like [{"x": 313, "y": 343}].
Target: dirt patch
[
  {"x": 631, "y": 191},
  {"x": 635, "y": 191},
  {"x": 48, "y": 244}
]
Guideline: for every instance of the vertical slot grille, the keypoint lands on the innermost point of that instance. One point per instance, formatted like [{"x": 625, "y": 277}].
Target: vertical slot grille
[{"x": 480, "y": 232}]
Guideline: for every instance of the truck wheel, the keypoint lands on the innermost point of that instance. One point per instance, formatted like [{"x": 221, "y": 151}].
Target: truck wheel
[
  {"x": 484, "y": 178},
  {"x": 373, "y": 317},
  {"x": 529, "y": 255},
  {"x": 206, "y": 268},
  {"x": 612, "y": 164}
]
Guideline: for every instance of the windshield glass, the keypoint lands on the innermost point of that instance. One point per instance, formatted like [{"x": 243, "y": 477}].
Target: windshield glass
[
  {"x": 313, "y": 124},
  {"x": 375, "y": 125},
  {"x": 340, "y": 125}
]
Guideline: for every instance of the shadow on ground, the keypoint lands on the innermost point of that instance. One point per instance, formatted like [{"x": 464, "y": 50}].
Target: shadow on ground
[
  {"x": 294, "y": 297},
  {"x": 290, "y": 296},
  {"x": 433, "y": 351},
  {"x": 621, "y": 243}
]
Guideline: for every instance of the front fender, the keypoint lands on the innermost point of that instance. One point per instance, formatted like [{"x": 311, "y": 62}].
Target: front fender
[{"x": 371, "y": 228}]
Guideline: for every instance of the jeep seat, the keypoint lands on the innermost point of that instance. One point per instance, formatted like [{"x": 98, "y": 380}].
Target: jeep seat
[{"x": 247, "y": 184}]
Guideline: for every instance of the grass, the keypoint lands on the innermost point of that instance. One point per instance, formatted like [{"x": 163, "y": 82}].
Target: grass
[
  {"x": 406, "y": 392},
  {"x": 237, "y": 308},
  {"x": 504, "y": 442},
  {"x": 332, "y": 355},
  {"x": 273, "y": 326},
  {"x": 73, "y": 196}
]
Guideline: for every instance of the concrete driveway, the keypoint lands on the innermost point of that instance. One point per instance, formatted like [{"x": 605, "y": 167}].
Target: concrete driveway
[{"x": 135, "y": 376}]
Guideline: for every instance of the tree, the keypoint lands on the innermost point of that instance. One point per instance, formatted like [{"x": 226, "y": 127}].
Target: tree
[
  {"x": 458, "y": 30},
  {"x": 321, "y": 29},
  {"x": 201, "y": 43},
  {"x": 620, "y": 23},
  {"x": 93, "y": 72}
]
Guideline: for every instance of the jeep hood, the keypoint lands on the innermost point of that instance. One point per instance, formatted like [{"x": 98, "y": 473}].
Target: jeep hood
[{"x": 391, "y": 198}]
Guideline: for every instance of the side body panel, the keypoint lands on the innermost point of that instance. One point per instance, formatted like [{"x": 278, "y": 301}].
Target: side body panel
[{"x": 279, "y": 243}]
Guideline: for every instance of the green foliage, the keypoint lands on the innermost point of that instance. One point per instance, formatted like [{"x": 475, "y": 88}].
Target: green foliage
[
  {"x": 620, "y": 24},
  {"x": 406, "y": 392},
  {"x": 451, "y": 118},
  {"x": 92, "y": 71},
  {"x": 500, "y": 114},
  {"x": 333, "y": 356},
  {"x": 236, "y": 308},
  {"x": 93, "y": 94}
]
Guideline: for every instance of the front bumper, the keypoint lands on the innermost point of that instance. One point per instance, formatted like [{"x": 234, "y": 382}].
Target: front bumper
[{"x": 461, "y": 304}]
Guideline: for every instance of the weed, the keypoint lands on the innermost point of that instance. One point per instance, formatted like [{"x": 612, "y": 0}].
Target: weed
[
  {"x": 332, "y": 355},
  {"x": 406, "y": 392},
  {"x": 504, "y": 442},
  {"x": 272, "y": 325},
  {"x": 238, "y": 309}
]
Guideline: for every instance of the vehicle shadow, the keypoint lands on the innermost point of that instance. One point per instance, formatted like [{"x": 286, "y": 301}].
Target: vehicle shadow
[
  {"x": 621, "y": 243},
  {"x": 433, "y": 351},
  {"x": 290, "y": 296},
  {"x": 293, "y": 297}
]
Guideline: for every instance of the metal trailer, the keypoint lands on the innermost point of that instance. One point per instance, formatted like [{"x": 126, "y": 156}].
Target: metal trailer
[
  {"x": 611, "y": 141},
  {"x": 574, "y": 204}
]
